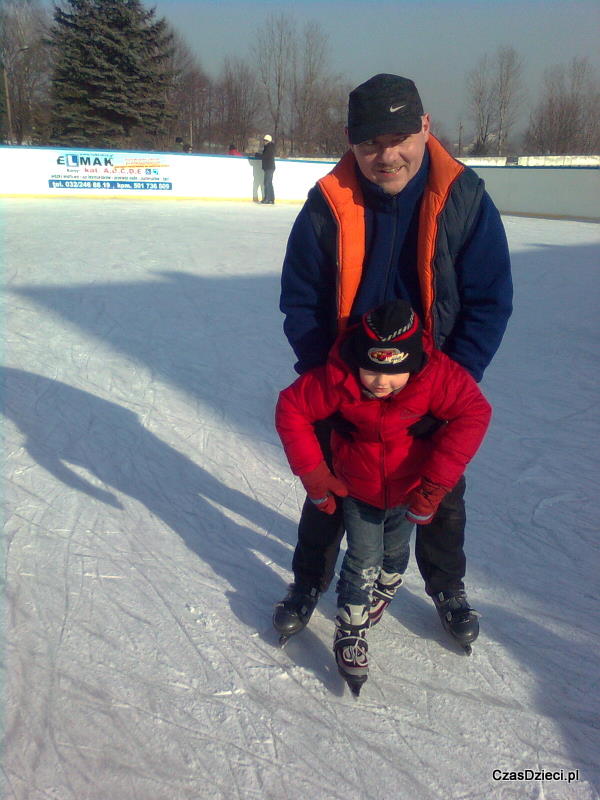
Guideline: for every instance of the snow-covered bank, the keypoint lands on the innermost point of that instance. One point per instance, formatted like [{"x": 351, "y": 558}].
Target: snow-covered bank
[{"x": 150, "y": 521}]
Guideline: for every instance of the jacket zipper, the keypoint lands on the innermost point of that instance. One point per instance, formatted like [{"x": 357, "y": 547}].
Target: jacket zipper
[
  {"x": 383, "y": 454},
  {"x": 386, "y": 287}
]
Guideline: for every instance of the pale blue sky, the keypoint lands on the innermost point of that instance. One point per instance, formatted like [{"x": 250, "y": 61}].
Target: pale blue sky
[{"x": 433, "y": 43}]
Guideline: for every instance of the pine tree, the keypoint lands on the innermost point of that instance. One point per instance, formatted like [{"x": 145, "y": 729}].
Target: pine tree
[{"x": 111, "y": 73}]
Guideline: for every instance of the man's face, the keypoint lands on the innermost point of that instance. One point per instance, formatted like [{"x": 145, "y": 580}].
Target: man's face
[{"x": 392, "y": 159}]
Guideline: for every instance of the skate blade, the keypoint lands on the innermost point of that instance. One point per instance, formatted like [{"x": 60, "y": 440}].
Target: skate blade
[
  {"x": 354, "y": 683},
  {"x": 464, "y": 645},
  {"x": 285, "y": 636}
]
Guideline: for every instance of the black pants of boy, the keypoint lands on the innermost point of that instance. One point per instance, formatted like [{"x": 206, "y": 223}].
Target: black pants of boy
[{"x": 439, "y": 546}]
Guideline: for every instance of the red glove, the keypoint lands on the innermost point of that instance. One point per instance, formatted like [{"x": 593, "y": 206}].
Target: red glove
[
  {"x": 321, "y": 485},
  {"x": 423, "y": 502}
]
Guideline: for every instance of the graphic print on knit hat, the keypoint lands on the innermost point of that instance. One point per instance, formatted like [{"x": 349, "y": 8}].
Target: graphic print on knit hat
[{"x": 387, "y": 355}]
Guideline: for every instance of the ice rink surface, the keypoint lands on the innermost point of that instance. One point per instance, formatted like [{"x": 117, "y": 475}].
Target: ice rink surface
[{"x": 150, "y": 522}]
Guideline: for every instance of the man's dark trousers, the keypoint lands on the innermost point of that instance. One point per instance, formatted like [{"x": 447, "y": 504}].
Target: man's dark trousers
[{"x": 269, "y": 194}]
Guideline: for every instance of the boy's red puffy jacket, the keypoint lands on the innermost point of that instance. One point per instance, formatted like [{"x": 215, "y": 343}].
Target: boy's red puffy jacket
[{"x": 383, "y": 462}]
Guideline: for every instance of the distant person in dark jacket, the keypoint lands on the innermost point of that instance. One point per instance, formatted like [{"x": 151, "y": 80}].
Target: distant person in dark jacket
[
  {"x": 397, "y": 217},
  {"x": 268, "y": 164}
]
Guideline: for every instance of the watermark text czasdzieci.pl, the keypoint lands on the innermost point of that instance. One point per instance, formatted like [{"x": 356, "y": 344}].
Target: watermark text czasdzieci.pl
[{"x": 558, "y": 775}]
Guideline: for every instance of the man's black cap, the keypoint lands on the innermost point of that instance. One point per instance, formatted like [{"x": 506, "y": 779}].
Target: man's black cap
[{"x": 383, "y": 104}]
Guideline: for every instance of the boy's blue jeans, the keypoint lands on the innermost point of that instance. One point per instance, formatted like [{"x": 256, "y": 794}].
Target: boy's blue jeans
[{"x": 377, "y": 539}]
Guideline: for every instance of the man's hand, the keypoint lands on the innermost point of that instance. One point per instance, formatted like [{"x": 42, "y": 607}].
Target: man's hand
[
  {"x": 426, "y": 426},
  {"x": 341, "y": 425},
  {"x": 423, "y": 502},
  {"x": 321, "y": 486}
]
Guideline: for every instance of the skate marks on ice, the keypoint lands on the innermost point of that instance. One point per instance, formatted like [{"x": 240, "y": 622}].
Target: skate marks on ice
[
  {"x": 123, "y": 597},
  {"x": 101, "y": 449},
  {"x": 189, "y": 331},
  {"x": 99, "y": 587},
  {"x": 135, "y": 672}
]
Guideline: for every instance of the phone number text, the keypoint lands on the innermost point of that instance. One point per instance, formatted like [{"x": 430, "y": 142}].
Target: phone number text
[{"x": 146, "y": 185}]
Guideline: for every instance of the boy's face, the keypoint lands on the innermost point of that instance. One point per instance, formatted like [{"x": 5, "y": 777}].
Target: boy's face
[{"x": 383, "y": 383}]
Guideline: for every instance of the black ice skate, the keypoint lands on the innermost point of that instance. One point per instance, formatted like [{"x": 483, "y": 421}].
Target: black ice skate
[
  {"x": 386, "y": 586},
  {"x": 292, "y": 614},
  {"x": 350, "y": 645},
  {"x": 458, "y": 618}
]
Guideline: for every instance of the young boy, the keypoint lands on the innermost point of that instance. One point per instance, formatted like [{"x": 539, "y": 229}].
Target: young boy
[{"x": 382, "y": 376}]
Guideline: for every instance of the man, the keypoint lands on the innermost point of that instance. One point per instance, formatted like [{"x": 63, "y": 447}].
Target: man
[
  {"x": 397, "y": 217},
  {"x": 268, "y": 164}
]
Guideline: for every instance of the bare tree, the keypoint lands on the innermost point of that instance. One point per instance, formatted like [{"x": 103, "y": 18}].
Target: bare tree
[
  {"x": 507, "y": 94},
  {"x": 238, "y": 88},
  {"x": 440, "y": 133},
  {"x": 495, "y": 96},
  {"x": 303, "y": 101},
  {"x": 480, "y": 88},
  {"x": 274, "y": 54},
  {"x": 332, "y": 132},
  {"x": 590, "y": 138},
  {"x": 187, "y": 98},
  {"x": 25, "y": 65},
  {"x": 566, "y": 119},
  {"x": 310, "y": 87}
]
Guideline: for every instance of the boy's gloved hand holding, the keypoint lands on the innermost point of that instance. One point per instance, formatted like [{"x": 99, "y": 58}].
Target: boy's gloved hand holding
[
  {"x": 321, "y": 485},
  {"x": 423, "y": 502}
]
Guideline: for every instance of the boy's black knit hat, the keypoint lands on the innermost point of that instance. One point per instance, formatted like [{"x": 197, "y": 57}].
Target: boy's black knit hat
[
  {"x": 388, "y": 339},
  {"x": 383, "y": 104}
]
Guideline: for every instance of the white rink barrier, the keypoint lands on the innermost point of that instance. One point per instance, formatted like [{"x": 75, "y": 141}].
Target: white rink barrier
[
  {"x": 550, "y": 191},
  {"x": 563, "y": 192},
  {"x": 48, "y": 171}
]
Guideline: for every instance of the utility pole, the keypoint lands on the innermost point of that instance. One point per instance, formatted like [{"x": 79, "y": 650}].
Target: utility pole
[
  {"x": 460, "y": 130},
  {"x": 8, "y": 107}
]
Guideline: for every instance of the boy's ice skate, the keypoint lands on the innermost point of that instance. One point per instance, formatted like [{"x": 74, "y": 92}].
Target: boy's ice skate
[
  {"x": 386, "y": 586},
  {"x": 458, "y": 618},
  {"x": 350, "y": 645},
  {"x": 291, "y": 615}
]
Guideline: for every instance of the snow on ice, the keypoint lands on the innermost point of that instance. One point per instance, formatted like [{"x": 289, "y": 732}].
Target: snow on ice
[{"x": 150, "y": 523}]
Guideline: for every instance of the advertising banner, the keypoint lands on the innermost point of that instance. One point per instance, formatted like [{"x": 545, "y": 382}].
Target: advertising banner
[
  {"x": 81, "y": 172},
  {"x": 109, "y": 172}
]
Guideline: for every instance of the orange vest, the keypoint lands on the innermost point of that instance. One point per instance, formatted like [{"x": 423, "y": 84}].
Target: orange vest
[{"x": 341, "y": 189}]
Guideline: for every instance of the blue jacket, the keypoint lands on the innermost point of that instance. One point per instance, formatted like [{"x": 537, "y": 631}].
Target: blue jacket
[{"x": 468, "y": 291}]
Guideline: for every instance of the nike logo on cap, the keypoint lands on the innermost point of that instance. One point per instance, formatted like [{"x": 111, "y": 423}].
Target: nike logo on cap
[{"x": 393, "y": 109}]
